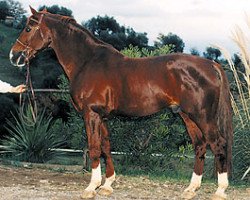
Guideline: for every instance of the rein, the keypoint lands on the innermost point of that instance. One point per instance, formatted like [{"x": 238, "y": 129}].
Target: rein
[{"x": 31, "y": 98}]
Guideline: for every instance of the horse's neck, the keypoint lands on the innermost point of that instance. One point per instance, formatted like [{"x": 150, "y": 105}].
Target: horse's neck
[{"x": 72, "y": 51}]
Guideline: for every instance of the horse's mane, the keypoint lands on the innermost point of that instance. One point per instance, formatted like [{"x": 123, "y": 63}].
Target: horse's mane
[{"x": 71, "y": 23}]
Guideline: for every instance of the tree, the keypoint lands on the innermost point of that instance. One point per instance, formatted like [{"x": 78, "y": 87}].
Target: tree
[
  {"x": 4, "y": 10},
  {"x": 16, "y": 9},
  {"x": 108, "y": 30},
  {"x": 136, "y": 39},
  {"x": 172, "y": 40},
  {"x": 194, "y": 51},
  {"x": 55, "y": 9},
  {"x": 212, "y": 54}
]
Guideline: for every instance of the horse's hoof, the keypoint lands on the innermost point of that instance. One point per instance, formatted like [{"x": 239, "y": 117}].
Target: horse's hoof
[
  {"x": 88, "y": 194},
  {"x": 219, "y": 197},
  {"x": 188, "y": 195},
  {"x": 105, "y": 191}
]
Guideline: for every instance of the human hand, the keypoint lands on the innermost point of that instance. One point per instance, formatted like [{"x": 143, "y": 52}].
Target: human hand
[{"x": 19, "y": 89}]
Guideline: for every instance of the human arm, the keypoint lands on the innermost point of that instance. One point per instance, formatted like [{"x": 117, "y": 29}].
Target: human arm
[{"x": 6, "y": 87}]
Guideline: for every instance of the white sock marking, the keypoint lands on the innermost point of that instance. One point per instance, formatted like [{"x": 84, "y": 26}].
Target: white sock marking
[
  {"x": 195, "y": 182},
  {"x": 222, "y": 184},
  {"x": 96, "y": 178},
  {"x": 109, "y": 181}
]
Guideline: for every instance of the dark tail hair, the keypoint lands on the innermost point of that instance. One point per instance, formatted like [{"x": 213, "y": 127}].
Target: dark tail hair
[{"x": 225, "y": 117}]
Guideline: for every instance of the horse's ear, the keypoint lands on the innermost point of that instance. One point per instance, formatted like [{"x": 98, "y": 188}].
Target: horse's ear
[
  {"x": 45, "y": 9},
  {"x": 33, "y": 11}
]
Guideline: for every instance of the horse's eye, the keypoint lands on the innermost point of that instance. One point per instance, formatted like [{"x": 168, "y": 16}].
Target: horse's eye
[{"x": 28, "y": 29}]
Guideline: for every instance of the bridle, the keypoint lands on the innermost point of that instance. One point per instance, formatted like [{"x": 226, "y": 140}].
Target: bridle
[{"x": 27, "y": 52}]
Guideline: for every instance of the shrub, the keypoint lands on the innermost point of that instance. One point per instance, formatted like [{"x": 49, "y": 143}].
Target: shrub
[
  {"x": 135, "y": 52},
  {"x": 241, "y": 150},
  {"x": 1, "y": 39},
  {"x": 31, "y": 139},
  {"x": 74, "y": 130}
]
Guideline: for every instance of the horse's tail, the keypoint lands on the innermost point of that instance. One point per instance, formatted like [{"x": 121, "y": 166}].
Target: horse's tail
[{"x": 224, "y": 116}]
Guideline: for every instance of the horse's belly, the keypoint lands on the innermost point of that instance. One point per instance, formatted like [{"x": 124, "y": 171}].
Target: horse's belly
[{"x": 143, "y": 107}]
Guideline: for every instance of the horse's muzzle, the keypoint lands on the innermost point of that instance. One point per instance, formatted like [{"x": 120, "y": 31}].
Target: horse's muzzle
[{"x": 18, "y": 58}]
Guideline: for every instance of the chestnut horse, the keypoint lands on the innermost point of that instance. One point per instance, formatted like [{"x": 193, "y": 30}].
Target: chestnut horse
[{"x": 104, "y": 82}]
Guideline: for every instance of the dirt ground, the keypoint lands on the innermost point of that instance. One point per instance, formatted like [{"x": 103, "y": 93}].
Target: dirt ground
[{"x": 67, "y": 183}]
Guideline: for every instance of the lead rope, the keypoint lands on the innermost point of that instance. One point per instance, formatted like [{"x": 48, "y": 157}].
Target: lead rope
[{"x": 31, "y": 98}]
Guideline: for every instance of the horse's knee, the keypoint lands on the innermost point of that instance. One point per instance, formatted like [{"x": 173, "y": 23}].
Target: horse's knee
[
  {"x": 200, "y": 151},
  {"x": 105, "y": 145},
  {"x": 94, "y": 156}
]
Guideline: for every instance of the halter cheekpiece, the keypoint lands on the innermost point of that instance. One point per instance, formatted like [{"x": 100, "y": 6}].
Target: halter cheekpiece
[{"x": 29, "y": 49}]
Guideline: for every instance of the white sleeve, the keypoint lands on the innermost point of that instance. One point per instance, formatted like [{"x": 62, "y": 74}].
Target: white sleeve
[{"x": 5, "y": 87}]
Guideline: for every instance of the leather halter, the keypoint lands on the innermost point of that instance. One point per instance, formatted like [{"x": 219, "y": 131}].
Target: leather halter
[{"x": 28, "y": 49}]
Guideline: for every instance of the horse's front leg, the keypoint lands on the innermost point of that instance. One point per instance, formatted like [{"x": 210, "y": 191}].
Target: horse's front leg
[
  {"x": 106, "y": 189},
  {"x": 92, "y": 125}
]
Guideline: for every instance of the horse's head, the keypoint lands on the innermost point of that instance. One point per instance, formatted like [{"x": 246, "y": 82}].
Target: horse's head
[{"x": 33, "y": 38}]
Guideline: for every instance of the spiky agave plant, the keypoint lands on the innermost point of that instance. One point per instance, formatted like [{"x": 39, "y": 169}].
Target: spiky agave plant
[{"x": 30, "y": 139}]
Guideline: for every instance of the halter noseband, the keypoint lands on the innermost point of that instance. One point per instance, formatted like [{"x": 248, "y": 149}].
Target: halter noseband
[{"x": 29, "y": 49}]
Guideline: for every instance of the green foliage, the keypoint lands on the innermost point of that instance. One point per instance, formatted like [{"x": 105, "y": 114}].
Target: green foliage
[
  {"x": 4, "y": 10},
  {"x": 16, "y": 9},
  {"x": 143, "y": 137},
  {"x": 31, "y": 139},
  {"x": 194, "y": 51},
  {"x": 63, "y": 84},
  {"x": 45, "y": 70},
  {"x": 135, "y": 52},
  {"x": 109, "y": 30},
  {"x": 185, "y": 150},
  {"x": 241, "y": 148},
  {"x": 212, "y": 54},
  {"x": 76, "y": 135},
  {"x": 132, "y": 52},
  {"x": 55, "y": 9},
  {"x": 7, "y": 105},
  {"x": 8, "y": 36},
  {"x": 73, "y": 131},
  {"x": 170, "y": 39}
]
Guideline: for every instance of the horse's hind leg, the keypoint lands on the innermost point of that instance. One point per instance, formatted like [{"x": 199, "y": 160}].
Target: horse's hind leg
[
  {"x": 106, "y": 189},
  {"x": 218, "y": 147},
  {"x": 199, "y": 145}
]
